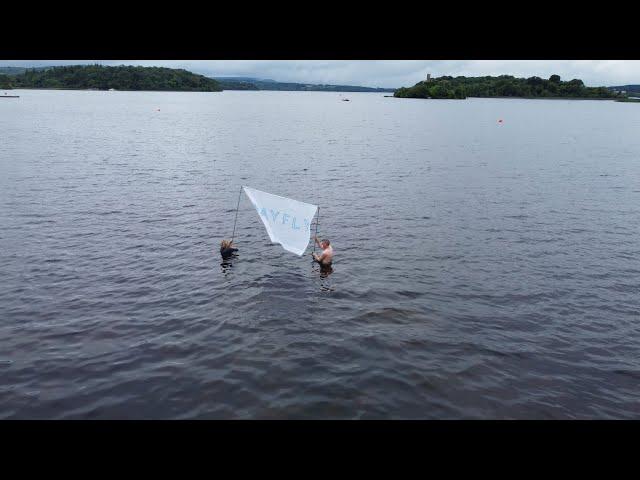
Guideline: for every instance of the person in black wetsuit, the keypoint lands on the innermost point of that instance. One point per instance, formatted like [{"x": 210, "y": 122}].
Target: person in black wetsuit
[{"x": 227, "y": 249}]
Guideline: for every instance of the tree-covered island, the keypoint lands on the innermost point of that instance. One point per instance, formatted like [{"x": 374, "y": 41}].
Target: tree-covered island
[
  {"x": 504, "y": 86},
  {"x": 99, "y": 77}
]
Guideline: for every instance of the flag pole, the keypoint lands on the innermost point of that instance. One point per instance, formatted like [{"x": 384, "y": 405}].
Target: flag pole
[
  {"x": 237, "y": 207},
  {"x": 317, "y": 219}
]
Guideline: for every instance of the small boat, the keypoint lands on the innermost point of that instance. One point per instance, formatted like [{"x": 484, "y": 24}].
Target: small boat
[{"x": 345, "y": 99}]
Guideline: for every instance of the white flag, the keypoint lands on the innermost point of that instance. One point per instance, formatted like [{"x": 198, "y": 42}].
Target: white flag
[{"x": 288, "y": 221}]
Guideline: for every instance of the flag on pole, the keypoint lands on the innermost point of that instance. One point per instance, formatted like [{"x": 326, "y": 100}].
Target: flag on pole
[{"x": 288, "y": 221}]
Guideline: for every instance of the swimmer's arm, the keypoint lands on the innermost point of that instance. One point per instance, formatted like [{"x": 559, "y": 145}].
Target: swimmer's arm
[{"x": 318, "y": 258}]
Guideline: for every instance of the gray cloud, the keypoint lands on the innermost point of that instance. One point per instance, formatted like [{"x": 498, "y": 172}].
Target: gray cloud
[{"x": 386, "y": 73}]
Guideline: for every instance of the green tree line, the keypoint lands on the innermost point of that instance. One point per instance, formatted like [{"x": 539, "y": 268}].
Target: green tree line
[
  {"x": 503, "y": 86},
  {"x": 5, "y": 82},
  {"x": 100, "y": 77}
]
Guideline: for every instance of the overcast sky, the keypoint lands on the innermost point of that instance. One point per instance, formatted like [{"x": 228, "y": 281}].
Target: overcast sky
[{"x": 385, "y": 73}]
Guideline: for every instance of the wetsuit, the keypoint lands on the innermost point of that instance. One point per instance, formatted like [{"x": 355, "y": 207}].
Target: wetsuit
[{"x": 227, "y": 252}]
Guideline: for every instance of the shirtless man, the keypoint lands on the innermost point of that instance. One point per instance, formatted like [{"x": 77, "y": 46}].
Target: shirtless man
[{"x": 326, "y": 257}]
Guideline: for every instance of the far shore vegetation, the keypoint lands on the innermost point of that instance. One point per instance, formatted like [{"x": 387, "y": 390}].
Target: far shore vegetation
[
  {"x": 98, "y": 77},
  {"x": 506, "y": 86}
]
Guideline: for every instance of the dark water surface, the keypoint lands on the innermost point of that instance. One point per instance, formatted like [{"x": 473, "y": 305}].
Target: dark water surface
[{"x": 482, "y": 270}]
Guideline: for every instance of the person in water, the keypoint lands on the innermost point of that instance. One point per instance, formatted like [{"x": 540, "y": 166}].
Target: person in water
[
  {"x": 326, "y": 257},
  {"x": 227, "y": 248}
]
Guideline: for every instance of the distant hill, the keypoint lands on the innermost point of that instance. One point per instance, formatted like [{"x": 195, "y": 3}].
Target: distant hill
[
  {"x": 235, "y": 84},
  {"x": 503, "y": 86},
  {"x": 264, "y": 84},
  {"x": 150, "y": 78},
  {"x": 101, "y": 77}
]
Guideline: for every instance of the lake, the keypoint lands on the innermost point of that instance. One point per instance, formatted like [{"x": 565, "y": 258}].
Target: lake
[{"x": 486, "y": 257}]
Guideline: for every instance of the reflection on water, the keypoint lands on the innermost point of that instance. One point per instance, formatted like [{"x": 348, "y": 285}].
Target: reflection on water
[{"x": 226, "y": 266}]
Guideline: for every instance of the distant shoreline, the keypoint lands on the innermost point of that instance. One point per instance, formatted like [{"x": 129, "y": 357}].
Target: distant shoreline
[
  {"x": 630, "y": 100},
  {"x": 505, "y": 86},
  {"x": 107, "y": 90},
  {"x": 511, "y": 98},
  {"x": 553, "y": 98},
  {"x": 183, "y": 91}
]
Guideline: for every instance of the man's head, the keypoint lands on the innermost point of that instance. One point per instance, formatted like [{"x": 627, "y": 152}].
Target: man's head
[{"x": 325, "y": 243}]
